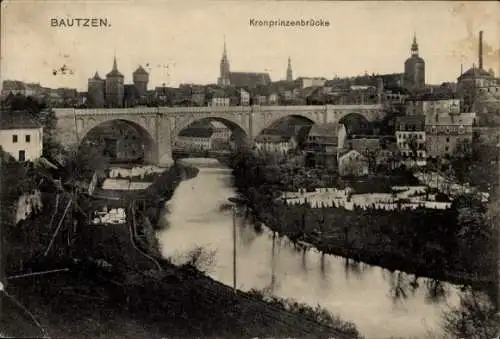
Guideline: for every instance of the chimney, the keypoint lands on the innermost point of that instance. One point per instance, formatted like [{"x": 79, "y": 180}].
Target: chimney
[
  {"x": 380, "y": 90},
  {"x": 380, "y": 85},
  {"x": 480, "y": 49}
]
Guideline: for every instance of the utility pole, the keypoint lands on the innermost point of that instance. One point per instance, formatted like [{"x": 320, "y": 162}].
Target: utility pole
[
  {"x": 234, "y": 248},
  {"x": 235, "y": 201}
]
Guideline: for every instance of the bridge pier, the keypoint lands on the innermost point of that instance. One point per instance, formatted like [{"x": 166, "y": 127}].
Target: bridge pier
[{"x": 165, "y": 160}]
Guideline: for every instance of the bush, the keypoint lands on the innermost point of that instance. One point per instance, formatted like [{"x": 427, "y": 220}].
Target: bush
[
  {"x": 200, "y": 258},
  {"x": 475, "y": 317},
  {"x": 317, "y": 314}
]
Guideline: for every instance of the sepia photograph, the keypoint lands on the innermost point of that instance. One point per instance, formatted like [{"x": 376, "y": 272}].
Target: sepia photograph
[{"x": 249, "y": 169}]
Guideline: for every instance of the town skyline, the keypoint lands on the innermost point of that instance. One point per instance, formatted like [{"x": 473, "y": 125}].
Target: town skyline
[{"x": 447, "y": 34}]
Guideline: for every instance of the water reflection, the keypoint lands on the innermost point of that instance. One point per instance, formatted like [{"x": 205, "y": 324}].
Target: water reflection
[
  {"x": 381, "y": 303},
  {"x": 354, "y": 268},
  {"x": 436, "y": 291},
  {"x": 400, "y": 286}
]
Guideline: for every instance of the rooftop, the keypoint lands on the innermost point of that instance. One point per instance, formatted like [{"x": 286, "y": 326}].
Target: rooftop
[
  {"x": 242, "y": 79},
  {"x": 324, "y": 130},
  {"x": 475, "y": 72},
  {"x": 196, "y": 132},
  {"x": 462, "y": 119},
  {"x": 96, "y": 76},
  {"x": 140, "y": 70},
  {"x": 17, "y": 120}
]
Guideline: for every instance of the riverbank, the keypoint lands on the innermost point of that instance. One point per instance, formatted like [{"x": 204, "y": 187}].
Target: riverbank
[
  {"x": 454, "y": 245},
  {"x": 116, "y": 292},
  {"x": 113, "y": 289},
  {"x": 153, "y": 197}
]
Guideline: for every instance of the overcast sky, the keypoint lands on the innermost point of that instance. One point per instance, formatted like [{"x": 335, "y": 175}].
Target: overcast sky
[{"x": 188, "y": 35}]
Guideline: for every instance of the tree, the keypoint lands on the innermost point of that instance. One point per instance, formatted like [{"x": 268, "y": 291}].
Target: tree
[
  {"x": 476, "y": 317},
  {"x": 477, "y": 162}
]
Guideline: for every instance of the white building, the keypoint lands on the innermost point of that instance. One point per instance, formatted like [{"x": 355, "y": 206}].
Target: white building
[
  {"x": 275, "y": 144},
  {"x": 432, "y": 106},
  {"x": 312, "y": 82},
  {"x": 219, "y": 101},
  {"x": 273, "y": 99},
  {"x": 411, "y": 141},
  {"x": 20, "y": 136},
  {"x": 220, "y": 131},
  {"x": 244, "y": 97},
  {"x": 221, "y": 136},
  {"x": 196, "y": 137},
  {"x": 193, "y": 143}
]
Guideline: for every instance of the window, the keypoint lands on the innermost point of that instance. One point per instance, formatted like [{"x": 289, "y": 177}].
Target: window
[
  {"x": 447, "y": 139},
  {"x": 27, "y": 138},
  {"x": 14, "y": 138},
  {"x": 22, "y": 156}
]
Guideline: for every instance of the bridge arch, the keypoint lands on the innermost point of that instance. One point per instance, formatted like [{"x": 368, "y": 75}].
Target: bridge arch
[
  {"x": 120, "y": 140},
  {"x": 268, "y": 116},
  {"x": 232, "y": 122},
  {"x": 201, "y": 137}
]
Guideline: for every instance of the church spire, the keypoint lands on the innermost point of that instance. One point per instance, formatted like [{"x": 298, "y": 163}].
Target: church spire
[
  {"x": 414, "y": 45},
  {"x": 224, "y": 52},
  {"x": 114, "y": 72},
  {"x": 224, "y": 79}
]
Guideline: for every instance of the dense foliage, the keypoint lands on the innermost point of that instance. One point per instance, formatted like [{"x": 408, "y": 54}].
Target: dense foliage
[
  {"x": 24, "y": 241},
  {"x": 459, "y": 243},
  {"x": 477, "y": 163}
]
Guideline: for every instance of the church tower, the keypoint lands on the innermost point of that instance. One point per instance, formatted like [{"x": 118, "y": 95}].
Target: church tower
[
  {"x": 414, "y": 75},
  {"x": 289, "y": 74},
  {"x": 224, "y": 79}
]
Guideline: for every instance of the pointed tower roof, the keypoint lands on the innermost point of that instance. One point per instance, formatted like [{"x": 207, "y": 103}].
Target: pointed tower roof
[
  {"x": 224, "y": 53},
  {"x": 414, "y": 51},
  {"x": 414, "y": 45},
  {"x": 140, "y": 70},
  {"x": 96, "y": 76},
  {"x": 114, "y": 72}
]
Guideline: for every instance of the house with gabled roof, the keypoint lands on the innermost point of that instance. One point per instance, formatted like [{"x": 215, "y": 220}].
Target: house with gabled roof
[{"x": 20, "y": 135}]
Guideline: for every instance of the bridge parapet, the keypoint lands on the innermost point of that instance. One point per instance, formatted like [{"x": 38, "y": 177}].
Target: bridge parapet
[
  {"x": 66, "y": 112},
  {"x": 300, "y": 109},
  {"x": 355, "y": 107},
  {"x": 204, "y": 109}
]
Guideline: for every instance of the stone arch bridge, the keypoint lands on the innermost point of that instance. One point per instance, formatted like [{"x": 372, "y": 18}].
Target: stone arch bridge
[{"x": 160, "y": 125}]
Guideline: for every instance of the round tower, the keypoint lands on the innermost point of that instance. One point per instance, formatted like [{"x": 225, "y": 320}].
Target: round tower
[
  {"x": 141, "y": 78},
  {"x": 95, "y": 91},
  {"x": 414, "y": 75}
]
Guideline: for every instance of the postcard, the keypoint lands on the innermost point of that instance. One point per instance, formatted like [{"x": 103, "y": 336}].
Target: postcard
[{"x": 249, "y": 169}]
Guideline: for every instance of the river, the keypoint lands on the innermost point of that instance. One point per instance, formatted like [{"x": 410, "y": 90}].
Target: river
[{"x": 382, "y": 304}]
